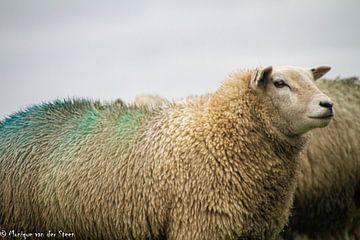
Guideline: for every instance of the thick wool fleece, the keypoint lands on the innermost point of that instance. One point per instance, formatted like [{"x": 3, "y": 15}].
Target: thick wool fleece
[
  {"x": 327, "y": 199},
  {"x": 213, "y": 168}
]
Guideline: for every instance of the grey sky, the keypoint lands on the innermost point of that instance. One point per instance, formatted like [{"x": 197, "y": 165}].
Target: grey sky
[{"x": 109, "y": 49}]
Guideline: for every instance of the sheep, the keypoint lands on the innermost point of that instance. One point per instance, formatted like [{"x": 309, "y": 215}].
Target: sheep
[
  {"x": 221, "y": 167},
  {"x": 327, "y": 199},
  {"x": 149, "y": 100}
]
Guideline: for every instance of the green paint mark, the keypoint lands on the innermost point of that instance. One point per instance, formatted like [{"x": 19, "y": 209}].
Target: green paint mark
[
  {"x": 129, "y": 121},
  {"x": 88, "y": 122},
  {"x": 21, "y": 127},
  {"x": 79, "y": 129}
]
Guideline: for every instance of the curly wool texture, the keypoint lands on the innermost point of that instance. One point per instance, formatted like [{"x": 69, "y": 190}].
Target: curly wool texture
[
  {"x": 327, "y": 199},
  {"x": 212, "y": 168}
]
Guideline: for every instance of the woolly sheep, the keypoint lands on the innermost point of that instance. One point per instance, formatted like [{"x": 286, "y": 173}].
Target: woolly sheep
[
  {"x": 327, "y": 199},
  {"x": 327, "y": 202},
  {"x": 149, "y": 100},
  {"x": 221, "y": 167}
]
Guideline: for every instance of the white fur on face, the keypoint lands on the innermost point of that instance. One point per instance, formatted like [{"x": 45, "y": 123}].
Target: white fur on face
[{"x": 298, "y": 103}]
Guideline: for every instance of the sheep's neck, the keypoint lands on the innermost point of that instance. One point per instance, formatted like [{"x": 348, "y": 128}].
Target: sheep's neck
[
  {"x": 237, "y": 131},
  {"x": 252, "y": 160}
]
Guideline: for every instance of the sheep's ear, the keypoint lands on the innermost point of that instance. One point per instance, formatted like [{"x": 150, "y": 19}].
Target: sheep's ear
[
  {"x": 262, "y": 77},
  {"x": 319, "y": 71}
]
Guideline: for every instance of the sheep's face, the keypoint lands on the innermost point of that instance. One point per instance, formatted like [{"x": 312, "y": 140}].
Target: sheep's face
[{"x": 296, "y": 104}]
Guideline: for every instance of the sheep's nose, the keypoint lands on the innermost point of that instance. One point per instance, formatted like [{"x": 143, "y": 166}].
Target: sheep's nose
[{"x": 326, "y": 104}]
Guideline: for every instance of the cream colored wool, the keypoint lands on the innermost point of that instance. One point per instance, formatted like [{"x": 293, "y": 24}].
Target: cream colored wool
[
  {"x": 327, "y": 200},
  {"x": 149, "y": 100},
  {"x": 327, "y": 203},
  {"x": 222, "y": 167}
]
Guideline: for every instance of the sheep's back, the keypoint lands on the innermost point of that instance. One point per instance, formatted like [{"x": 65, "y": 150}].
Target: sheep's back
[{"x": 53, "y": 159}]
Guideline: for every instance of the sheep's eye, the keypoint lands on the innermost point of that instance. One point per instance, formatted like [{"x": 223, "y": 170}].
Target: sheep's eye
[{"x": 280, "y": 83}]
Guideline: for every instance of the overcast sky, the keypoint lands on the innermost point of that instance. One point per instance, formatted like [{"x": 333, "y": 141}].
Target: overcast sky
[{"x": 109, "y": 49}]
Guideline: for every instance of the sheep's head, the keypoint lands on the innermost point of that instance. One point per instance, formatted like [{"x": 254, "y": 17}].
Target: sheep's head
[
  {"x": 149, "y": 100},
  {"x": 295, "y": 104}
]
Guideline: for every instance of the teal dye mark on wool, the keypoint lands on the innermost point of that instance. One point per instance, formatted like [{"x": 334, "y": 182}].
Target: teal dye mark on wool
[
  {"x": 20, "y": 128},
  {"x": 129, "y": 121},
  {"x": 89, "y": 121},
  {"x": 20, "y": 119},
  {"x": 80, "y": 128}
]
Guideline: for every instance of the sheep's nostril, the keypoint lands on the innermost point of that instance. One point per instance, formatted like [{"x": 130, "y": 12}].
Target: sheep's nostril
[{"x": 326, "y": 104}]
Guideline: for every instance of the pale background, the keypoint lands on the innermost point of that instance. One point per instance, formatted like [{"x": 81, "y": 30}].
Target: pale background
[{"x": 109, "y": 49}]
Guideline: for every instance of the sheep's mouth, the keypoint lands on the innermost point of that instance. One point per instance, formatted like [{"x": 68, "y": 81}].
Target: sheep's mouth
[{"x": 323, "y": 117}]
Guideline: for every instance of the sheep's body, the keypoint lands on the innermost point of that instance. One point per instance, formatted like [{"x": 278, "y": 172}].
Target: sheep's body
[
  {"x": 209, "y": 169},
  {"x": 327, "y": 199}
]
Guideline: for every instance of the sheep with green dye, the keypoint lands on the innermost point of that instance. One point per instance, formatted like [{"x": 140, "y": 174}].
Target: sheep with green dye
[{"x": 222, "y": 166}]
